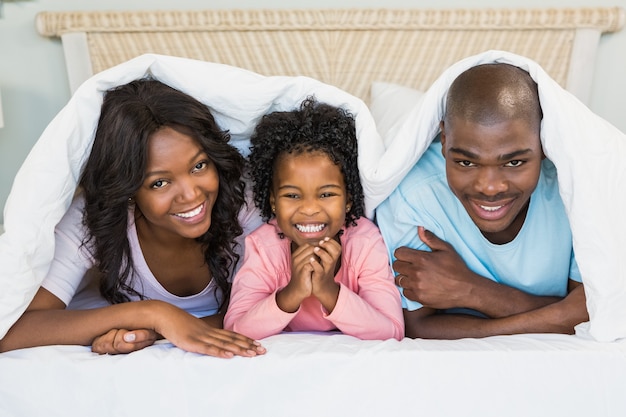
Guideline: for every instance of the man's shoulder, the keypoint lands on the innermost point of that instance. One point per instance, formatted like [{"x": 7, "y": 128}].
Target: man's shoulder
[{"x": 426, "y": 177}]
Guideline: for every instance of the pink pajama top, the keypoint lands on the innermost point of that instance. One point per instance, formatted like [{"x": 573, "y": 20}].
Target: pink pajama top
[{"x": 368, "y": 306}]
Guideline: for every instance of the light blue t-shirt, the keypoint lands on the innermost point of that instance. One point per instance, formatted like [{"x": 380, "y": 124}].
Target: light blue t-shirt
[{"x": 538, "y": 261}]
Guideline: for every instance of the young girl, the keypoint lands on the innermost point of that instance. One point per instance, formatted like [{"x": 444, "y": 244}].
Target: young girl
[
  {"x": 155, "y": 222},
  {"x": 316, "y": 265}
]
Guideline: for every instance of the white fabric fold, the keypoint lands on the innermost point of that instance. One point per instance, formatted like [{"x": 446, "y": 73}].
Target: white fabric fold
[{"x": 587, "y": 151}]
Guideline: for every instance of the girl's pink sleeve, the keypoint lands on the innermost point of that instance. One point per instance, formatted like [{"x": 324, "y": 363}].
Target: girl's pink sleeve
[
  {"x": 253, "y": 311},
  {"x": 374, "y": 310}
]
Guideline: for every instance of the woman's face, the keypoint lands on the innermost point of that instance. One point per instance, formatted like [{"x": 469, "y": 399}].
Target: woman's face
[
  {"x": 309, "y": 197},
  {"x": 180, "y": 187}
]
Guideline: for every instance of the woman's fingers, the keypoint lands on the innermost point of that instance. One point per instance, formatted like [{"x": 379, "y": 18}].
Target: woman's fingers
[
  {"x": 123, "y": 341},
  {"x": 223, "y": 343}
]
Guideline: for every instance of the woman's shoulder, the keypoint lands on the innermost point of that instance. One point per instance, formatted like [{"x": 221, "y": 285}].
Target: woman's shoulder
[{"x": 73, "y": 217}]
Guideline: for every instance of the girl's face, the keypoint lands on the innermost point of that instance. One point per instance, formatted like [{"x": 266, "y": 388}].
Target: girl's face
[
  {"x": 308, "y": 197},
  {"x": 180, "y": 187}
]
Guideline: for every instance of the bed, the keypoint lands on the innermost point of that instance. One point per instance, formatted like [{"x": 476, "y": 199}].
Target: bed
[{"x": 391, "y": 68}]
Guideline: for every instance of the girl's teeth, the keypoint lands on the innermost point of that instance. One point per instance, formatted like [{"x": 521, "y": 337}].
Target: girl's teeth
[
  {"x": 191, "y": 213},
  {"x": 311, "y": 228}
]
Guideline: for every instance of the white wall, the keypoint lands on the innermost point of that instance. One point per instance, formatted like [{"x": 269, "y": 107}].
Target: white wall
[{"x": 34, "y": 85}]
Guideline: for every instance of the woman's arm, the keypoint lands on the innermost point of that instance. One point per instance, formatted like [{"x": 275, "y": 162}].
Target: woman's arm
[
  {"x": 117, "y": 341},
  {"x": 47, "y": 322}
]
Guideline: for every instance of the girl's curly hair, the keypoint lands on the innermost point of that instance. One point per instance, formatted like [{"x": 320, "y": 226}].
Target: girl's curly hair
[
  {"x": 116, "y": 168},
  {"x": 314, "y": 127}
]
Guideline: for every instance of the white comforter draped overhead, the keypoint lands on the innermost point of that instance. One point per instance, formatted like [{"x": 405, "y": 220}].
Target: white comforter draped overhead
[{"x": 587, "y": 151}]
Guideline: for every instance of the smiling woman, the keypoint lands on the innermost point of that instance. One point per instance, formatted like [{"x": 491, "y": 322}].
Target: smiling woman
[{"x": 156, "y": 228}]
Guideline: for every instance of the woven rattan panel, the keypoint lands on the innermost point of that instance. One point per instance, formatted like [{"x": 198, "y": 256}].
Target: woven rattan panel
[
  {"x": 346, "y": 48},
  {"x": 348, "y": 59}
]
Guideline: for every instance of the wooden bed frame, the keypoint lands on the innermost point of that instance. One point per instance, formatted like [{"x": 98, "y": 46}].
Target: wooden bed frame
[{"x": 347, "y": 48}]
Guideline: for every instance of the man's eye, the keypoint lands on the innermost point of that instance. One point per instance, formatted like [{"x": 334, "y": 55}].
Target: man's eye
[
  {"x": 514, "y": 163},
  {"x": 465, "y": 163}
]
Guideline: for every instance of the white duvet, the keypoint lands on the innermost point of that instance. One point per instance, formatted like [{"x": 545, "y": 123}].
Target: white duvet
[{"x": 588, "y": 152}]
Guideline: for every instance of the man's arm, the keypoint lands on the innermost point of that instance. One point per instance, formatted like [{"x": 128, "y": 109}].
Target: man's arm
[
  {"x": 559, "y": 317},
  {"x": 441, "y": 280}
]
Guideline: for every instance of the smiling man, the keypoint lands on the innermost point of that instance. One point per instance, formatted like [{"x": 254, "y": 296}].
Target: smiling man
[{"x": 478, "y": 232}]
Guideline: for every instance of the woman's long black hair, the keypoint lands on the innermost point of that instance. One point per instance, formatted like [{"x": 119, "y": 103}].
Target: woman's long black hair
[
  {"x": 116, "y": 169},
  {"x": 314, "y": 127}
]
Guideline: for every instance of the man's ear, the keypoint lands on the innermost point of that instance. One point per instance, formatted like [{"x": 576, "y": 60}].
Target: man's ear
[{"x": 442, "y": 137}]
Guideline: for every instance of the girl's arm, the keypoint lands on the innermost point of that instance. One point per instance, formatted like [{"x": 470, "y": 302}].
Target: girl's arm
[
  {"x": 46, "y": 322},
  {"x": 253, "y": 309}
]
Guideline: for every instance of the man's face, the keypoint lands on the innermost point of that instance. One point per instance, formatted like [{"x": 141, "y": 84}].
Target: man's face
[{"x": 493, "y": 170}]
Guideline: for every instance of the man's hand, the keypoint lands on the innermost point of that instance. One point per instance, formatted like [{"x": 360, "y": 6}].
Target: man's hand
[{"x": 438, "y": 279}]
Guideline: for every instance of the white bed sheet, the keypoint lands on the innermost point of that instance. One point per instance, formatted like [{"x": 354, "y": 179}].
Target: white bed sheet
[{"x": 321, "y": 375}]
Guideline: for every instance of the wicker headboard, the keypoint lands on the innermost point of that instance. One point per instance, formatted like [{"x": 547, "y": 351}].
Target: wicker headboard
[{"x": 348, "y": 48}]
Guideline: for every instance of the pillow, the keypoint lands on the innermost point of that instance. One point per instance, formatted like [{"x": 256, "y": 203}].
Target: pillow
[{"x": 390, "y": 105}]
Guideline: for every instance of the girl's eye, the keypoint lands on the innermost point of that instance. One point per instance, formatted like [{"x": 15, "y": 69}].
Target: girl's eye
[
  {"x": 326, "y": 195},
  {"x": 514, "y": 163},
  {"x": 158, "y": 184},
  {"x": 465, "y": 163},
  {"x": 291, "y": 195}
]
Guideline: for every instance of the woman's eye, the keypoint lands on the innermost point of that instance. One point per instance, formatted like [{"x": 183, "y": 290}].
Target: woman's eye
[
  {"x": 159, "y": 184},
  {"x": 199, "y": 166},
  {"x": 514, "y": 163}
]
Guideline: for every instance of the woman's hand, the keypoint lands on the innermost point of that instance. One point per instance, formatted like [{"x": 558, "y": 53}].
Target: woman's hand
[
  {"x": 123, "y": 341},
  {"x": 195, "y": 335}
]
